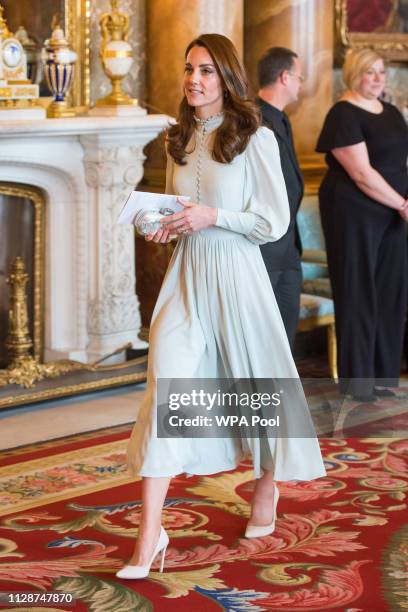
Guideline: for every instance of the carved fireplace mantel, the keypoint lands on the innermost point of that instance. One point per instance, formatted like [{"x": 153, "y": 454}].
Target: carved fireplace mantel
[{"x": 86, "y": 167}]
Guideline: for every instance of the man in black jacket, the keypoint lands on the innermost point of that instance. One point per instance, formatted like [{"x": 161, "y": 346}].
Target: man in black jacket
[{"x": 280, "y": 79}]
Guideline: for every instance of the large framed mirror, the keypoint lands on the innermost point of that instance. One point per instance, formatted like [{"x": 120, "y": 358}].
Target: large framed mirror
[{"x": 37, "y": 17}]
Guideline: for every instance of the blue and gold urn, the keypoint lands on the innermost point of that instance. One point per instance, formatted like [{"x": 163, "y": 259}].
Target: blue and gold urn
[{"x": 59, "y": 61}]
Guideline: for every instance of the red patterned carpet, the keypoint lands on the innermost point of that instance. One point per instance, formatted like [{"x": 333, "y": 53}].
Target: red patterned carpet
[{"x": 69, "y": 514}]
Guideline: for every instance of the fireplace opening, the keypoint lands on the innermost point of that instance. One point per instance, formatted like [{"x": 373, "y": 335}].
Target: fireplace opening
[{"x": 22, "y": 220}]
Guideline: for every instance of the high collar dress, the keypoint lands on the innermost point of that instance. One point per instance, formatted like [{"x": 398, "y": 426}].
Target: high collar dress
[{"x": 216, "y": 315}]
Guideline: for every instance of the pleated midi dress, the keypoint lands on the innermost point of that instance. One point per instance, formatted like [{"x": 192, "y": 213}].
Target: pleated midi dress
[{"x": 216, "y": 315}]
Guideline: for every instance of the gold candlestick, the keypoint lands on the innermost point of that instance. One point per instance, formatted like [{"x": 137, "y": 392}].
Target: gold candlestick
[
  {"x": 18, "y": 341},
  {"x": 24, "y": 369}
]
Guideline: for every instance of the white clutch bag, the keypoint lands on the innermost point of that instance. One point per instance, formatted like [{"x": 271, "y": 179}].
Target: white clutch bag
[{"x": 144, "y": 210}]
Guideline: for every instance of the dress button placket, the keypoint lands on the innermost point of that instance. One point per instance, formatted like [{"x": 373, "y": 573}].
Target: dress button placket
[{"x": 199, "y": 163}]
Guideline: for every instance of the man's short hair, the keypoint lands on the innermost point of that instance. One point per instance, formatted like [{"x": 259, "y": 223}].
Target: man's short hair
[{"x": 273, "y": 62}]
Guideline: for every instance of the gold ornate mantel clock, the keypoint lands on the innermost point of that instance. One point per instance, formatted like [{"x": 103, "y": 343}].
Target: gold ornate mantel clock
[
  {"x": 18, "y": 95},
  {"x": 117, "y": 56}
]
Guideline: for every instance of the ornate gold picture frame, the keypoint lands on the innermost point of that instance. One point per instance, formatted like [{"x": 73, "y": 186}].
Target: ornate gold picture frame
[{"x": 385, "y": 30}]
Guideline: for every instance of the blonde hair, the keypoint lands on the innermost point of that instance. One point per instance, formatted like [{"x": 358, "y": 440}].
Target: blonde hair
[{"x": 357, "y": 62}]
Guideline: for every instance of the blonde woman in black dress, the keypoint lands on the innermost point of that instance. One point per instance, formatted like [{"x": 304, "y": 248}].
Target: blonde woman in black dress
[{"x": 364, "y": 207}]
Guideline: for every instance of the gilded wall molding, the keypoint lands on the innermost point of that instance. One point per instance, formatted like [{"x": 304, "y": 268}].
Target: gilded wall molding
[{"x": 77, "y": 30}]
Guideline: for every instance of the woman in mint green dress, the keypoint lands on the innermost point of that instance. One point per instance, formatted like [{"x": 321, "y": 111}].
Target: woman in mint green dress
[{"x": 216, "y": 315}]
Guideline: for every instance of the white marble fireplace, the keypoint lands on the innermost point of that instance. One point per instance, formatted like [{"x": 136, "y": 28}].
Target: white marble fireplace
[{"x": 86, "y": 167}]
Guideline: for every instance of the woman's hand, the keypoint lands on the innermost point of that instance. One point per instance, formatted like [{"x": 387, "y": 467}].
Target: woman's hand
[
  {"x": 162, "y": 236},
  {"x": 193, "y": 218},
  {"x": 404, "y": 211}
]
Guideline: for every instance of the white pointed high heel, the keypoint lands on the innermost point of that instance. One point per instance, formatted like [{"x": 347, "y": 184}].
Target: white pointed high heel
[
  {"x": 131, "y": 572},
  {"x": 258, "y": 531}
]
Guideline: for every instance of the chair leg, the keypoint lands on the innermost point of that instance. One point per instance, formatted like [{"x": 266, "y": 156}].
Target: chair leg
[{"x": 332, "y": 350}]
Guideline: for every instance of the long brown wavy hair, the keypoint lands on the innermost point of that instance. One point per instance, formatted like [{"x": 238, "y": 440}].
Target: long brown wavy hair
[{"x": 241, "y": 116}]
